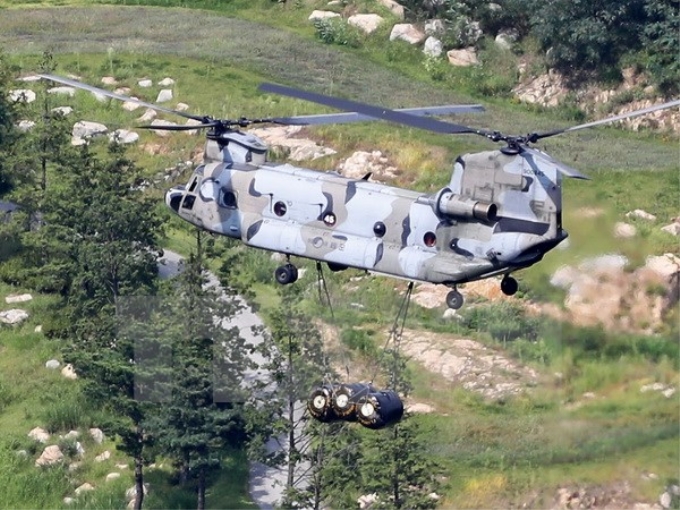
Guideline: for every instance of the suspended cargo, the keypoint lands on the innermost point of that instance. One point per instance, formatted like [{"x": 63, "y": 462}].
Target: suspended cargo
[
  {"x": 379, "y": 409},
  {"x": 345, "y": 398},
  {"x": 320, "y": 405}
]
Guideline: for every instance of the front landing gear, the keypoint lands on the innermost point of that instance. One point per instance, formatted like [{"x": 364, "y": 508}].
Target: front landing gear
[
  {"x": 286, "y": 274},
  {"x": 509, "y": 285},
  {"x": 454, "y": 299}
]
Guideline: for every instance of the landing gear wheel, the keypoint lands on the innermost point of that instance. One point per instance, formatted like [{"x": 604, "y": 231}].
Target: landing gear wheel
[
  {"x": 286, "y": 274},
  {"x": 509, "y": 285},
  {"x": 454, "y": 300}
]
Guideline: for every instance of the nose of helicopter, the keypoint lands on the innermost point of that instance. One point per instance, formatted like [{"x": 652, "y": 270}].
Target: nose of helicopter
[{"x": 173, "y": 198}]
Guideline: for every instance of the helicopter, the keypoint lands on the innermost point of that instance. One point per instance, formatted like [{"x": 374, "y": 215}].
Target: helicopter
[{"x": 501, "y": 211}]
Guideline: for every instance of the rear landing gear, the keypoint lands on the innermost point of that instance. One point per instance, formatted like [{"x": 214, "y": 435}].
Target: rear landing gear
[
  {"x": 454, "y": 299},
  {"x": 286, "y": 274},
  {"x": 509, "y": 285}
]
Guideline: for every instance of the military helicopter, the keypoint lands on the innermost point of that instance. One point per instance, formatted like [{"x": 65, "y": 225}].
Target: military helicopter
[{"x": 501, "y": 211}]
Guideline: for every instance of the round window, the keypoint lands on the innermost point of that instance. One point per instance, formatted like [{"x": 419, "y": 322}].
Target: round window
[
  {"x": 280, "y": 208},
  {"x": 429, "y": 239},
  {"x": 379, "y": 229}
]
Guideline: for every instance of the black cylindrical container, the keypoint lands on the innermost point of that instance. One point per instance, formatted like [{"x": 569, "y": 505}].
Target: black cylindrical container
[
  {"x": 320, "y": 405},
  {"x": 379, "y": 409},
  {"x": 345, "y": 398}
]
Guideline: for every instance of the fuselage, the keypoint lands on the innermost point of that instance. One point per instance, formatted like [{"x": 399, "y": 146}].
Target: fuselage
[{"x": 490, "y": 220}]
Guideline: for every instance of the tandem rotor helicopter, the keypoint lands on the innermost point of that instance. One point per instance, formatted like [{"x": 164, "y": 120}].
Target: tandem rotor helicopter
[{"x": 501, "y": 211}]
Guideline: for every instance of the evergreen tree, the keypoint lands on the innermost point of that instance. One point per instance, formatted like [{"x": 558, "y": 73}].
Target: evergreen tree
[
  {"x": 9, "y": 134},
  {"x": 205, "y": 402}
]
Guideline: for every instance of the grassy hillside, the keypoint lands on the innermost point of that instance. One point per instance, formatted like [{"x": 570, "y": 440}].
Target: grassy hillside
[{"x": 587, "y": 424}]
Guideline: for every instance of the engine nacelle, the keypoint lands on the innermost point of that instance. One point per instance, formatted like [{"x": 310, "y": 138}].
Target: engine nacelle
[{"x": 449, "y": 205}]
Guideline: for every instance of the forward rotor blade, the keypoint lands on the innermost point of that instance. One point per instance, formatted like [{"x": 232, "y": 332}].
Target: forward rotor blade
[
  {"x": 119, "y": 97},
  {"x": 170, "y": 127},
  {"x": 622, "y": 116},
  {"x": 377, "y": 112},
  {"x": 342, "y": 118}
]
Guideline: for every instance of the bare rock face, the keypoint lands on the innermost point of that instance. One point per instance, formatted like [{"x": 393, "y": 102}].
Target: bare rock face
[
  {"x": 298, "y": 149},
  {"x": 361, "y": 163},
  {"x": 51, "y": 455}
]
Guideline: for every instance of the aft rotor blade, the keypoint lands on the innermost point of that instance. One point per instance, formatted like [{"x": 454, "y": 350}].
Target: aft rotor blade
[
  {"x": 622, "y": 116},
  {"x": 120, "y": 97},
  {"x": 559, "y": 166},
  {"x": 377, "y": 112},
  {"x": 342, "y": 118},
  {"x": 186, "y": 127}
]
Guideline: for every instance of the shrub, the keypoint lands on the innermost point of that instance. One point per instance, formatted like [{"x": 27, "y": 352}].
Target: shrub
[{"x": 336, "y": 31}]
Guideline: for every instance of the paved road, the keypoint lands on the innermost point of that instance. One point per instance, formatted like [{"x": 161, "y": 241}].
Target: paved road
[{"x": 266, "y": 484}]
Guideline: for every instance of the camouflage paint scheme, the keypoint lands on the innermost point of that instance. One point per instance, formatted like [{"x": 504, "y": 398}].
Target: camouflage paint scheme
[{"x": 500, "y": 212}]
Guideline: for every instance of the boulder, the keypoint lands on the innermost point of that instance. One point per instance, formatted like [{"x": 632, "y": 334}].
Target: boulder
[
  {"x": 164, "y": 96},
  {"x": 673, "y": 228},
  {"x": 463, "y": 58},
  {"x": 51, "y": 455},
  {"x": 506, "y": 38},
  {"x": 367, "y": 500},
  {"x": 14, "y": 316},
  {"x": 52, "y": 364},
  {"x": 131, "y": 106},
  {"x": 323, "y": 15},
  {"x": 86, "y": 487},
  {"x": 182, "y": 107},
  {"x": 123, "y": 136},
  {"x": 22, "y": 95},
  {"x": 68, "y": 501},
  {"x": 624, "y": 230},
  {"x": 39, "y": 434},
  {"x": 38, "y": 329},
  {"x": 166, "y": 82},
  {"x": 395, "y": 8},
  {"x": 63, "y": 110},
  {"x": 406, "y": 32},
  {"x": 109, "y": 80},
  {"x": 72, "y": 434},
  {"x": 86, "y": 129},
  {"x": 80, "y": 451},
  {"x": 106, "y": 455},
  {"x": 69, "y": 372},
  {"x": 148, "y": 115},
  {"x": 160, "y": 122},
  {"x": 641, "y": 214},
  {"x": 30, "y": 78},
  {"x": 66, "y": 91},
  {"x": 18, "y": 298},
  {"x": 123, "y": 91},
  {"x": 665, "y": 265},
  {"x": 434, "y": 27},
  {"x": 367, "y": 23},
  {"x": 361, "y": 162},
  {"x": 420, "y": 408},
  {"x": 25, "y": 125},
  {"x": 97, "y": 435},
  {"x": 131, "y": 493},
  {"x": 145, "y": 83},
  {"x": 433, "y": 47},
  {"x": 112, "y": 476}
]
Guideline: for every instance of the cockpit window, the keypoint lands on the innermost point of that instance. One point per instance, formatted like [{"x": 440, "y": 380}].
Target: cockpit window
[{"x": 208, "y": 190}]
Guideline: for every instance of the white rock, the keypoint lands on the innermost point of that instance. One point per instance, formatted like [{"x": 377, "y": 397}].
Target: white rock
[
  {"x": 506, "y": 38},
  {"x": 665, "y": 500},
  {"x": 450, "y": 313},
  {"x": 106, "y": 455},
  {"x": 131, "y": 106},
  {"x": 123, "y": 136},
  {"x": 68, "y": 501},
  {"x": 80, "y": 451},
  {"x": 182, "y": 107},
  {"x": 112, "y": 476},
  {"x": 434, "y": 495},
  {"x": 50, "y": 455},
  {"x": 101, "y": 98},
  {"x": 52, "y": 364},
  {"x": 164, "y": 96},
  {"x": 122, "y": 91},
  {"x": 63, "y": 110},
  {"x": 367, "y": 500},
  {"x": 86, "y": 129},
  {"x": 97, "y": 435},
  {"x": 23, "y": 454},
  {"x": 39, "y": 434},
  {"x": 367, "y": 23},
  {"x": 74, "y": 466},
  {"x": 160, "y": 122},
  {"x": 14, "y": 316},
  {"x": 673, "y": 228},
  {"x": 668, "y": 392},
  {"x": 18, "y": 298},
  {"x": 30, "y": 78},
  {"x": 72, "y": 434},
  {"x": 109, "y": 80},
  {"x": 38, "y": 329},
  {"x": 652, "y": 387},
  {"x": 639, "y": 213},
  {"x": 131, "y": 493},
  {"x": 121, "y": 466},
  {"x": 25, "y": 125},
  {"x": 395, "y": 8},
  {"x": 69, "y": 372},
  {"x": 148, "y": 115},
  {"x": 145, "y": 83},
  {"x": 420, "y": 408},
  {"x": 624, "y": 230},
  {"x": 603, "y": 263},
  {"x": 433, "y": 47},
  {"x": 406, "y": 32},
  {"x": 192, "y": 122},
  {"x": 665, "y": 265},
  {"x": 323, "y": 15},
  {"x": 22, "y": 95},
  {"x": 86, "y": 487},
  {"x": 166, "y": 82},
  {"x": 462, "y": 58},
  {"x": 66, "y": 91}
]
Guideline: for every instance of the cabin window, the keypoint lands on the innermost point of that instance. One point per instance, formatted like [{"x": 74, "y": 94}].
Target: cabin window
[
  {"x": 280, "y": 208},
  {"x": 429, "y": 239},
  {"x": 189, "y": 202},
  {"x": 379, "y": 229},
  {"x": 228, "y": 199},
  {"x": 192, "y": 186},
  {"x": 329, "y": 219}
]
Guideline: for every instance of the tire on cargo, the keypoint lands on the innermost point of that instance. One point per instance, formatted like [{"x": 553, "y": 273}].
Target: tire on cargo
[
  {"x": 379, "y": 409},
  {"x": 320, "y": 405},
  {"x": 345, "y": 398}
]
